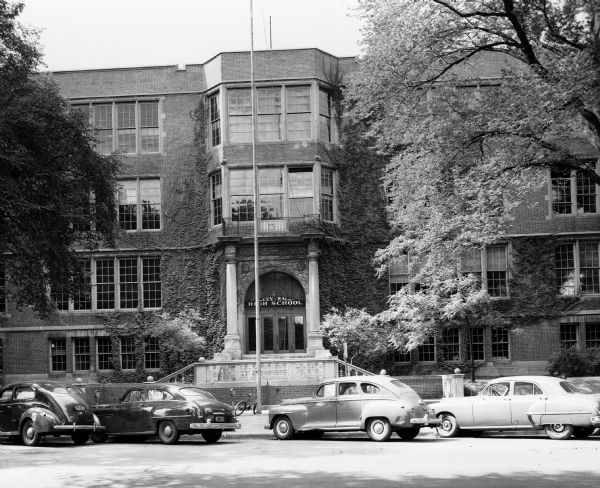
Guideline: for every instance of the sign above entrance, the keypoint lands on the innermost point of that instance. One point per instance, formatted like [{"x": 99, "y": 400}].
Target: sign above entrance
[{"x": 277, "y": 302}]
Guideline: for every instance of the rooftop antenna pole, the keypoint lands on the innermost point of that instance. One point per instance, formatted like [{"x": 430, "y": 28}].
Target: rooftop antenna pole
[
  {"x": 270, "y": 35},
  {"x": 256, "y": 211}
]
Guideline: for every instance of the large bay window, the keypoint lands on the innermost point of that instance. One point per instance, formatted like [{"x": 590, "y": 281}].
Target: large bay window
[
  {"x": 269, "y": 114},
  {"x": 241, "y": 190},
  {"x": 577, "y": 268},
  {"x": 131, "y": 127},
  {"x": 573, "y": 193}
]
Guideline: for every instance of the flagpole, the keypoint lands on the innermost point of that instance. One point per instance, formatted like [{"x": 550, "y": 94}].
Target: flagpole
[{"x": 256, "y": 214}]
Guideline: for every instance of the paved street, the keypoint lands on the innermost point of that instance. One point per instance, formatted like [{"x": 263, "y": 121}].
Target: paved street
[{"x": 255, "y": 459}]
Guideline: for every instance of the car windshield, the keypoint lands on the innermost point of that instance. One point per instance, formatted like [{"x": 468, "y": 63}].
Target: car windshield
[
  {"x": 570, "y": 387},
  {"x": 196, "y": 393}
]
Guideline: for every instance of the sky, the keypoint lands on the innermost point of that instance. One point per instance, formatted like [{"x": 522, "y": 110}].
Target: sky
[{"x": 88, "y": 34}]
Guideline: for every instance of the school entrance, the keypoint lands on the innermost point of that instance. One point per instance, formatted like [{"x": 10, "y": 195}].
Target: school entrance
[{"x": 282, "y": 315}]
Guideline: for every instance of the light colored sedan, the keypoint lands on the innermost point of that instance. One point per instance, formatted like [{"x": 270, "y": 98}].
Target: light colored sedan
[
  {"x": 522, "y": 403},
  {"x": 379, "y": 405}
]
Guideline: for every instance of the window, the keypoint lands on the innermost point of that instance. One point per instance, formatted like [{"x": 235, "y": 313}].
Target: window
[
  {"x": 402, "y": 357},
  {"x": 81, "y": 354},
  {"x": 500, "y": 343},
  {"x": 300, "y": 191},
  {"x": 216, "y": 198},
  {"x": 572, "y": 193},
  {"x": 568, "y": 335},
  {"x": 347, "y": 388},
  {"x": 105, "y": 284},
  {"x": 83, "y": 298},
  {"x": 131, "y": 127},
  {"x": 240, "y": 115},
  {"x": 327, "y": 194},
  {"x": 426, "y": 350},
  {"x": 151, "y": 282},
  {"x": 401, "y": 272},
  {"x": 214, "y": 120},
  {"x": 592, "y": 334},
  {"x": 271, "y": 193},
  {"x": 104, "y": 353},
  {"x": 298, "y": 113},
  {"x": 450, "y": 344},
  {"x": 151, "y": 353},
  {"x": 2, "y": 287},
  {"x": 523, "y": 389},
  {"x": 140, "y": 204},
  {"x": 58, "y": 354},
  {"x": 241, "y": 187},
  {"x": 577, "y": 268},
  {"x": 326, "y": 391},
  {"x": 497, "y": 389},
  {"x": 128, "y": 283},
  {"x": 477, "y": 344},
  {"x": 134, "y": 396},
  {"x": 60, "y": 297},
  {"x": 127, "y": 353},
  {"x": 490, "y": 265},
  {"x": 269, "y": 114},
  {"x": 158, "y": 395},
  {"x": 369, "y": 388},
  {"x": 324, "y": 115},
  {"x": 24, "y": 393}
]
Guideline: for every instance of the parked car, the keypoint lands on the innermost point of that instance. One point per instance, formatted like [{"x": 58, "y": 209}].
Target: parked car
[
  {"x": 379, "y": 405},
  {"x": 166, "y": 410},
  {"x": 522, "y": 403},
  {"x": 33, "y": 409}
]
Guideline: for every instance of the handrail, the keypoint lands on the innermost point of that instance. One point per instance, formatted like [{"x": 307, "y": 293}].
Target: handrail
[
  {"x": 179, "y": 374},
  {"x": 358, "y": 371}
]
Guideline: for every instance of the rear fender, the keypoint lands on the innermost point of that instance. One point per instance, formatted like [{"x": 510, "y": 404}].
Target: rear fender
[
  {"x": 43, "y": 419},
  {"x": 393, "y": 410}
]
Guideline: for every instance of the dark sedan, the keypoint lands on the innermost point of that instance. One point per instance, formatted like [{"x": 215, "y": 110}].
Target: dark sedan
[
  {"x": 30, "y": 410},
  {"x": 166, "y": 410}
]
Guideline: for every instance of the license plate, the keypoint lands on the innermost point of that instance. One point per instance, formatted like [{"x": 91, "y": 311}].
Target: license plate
[{"x": 219, "y": 419}]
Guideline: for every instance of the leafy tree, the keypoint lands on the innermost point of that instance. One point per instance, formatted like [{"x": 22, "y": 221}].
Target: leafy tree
[
  {"x": 355, "y": 336},
  {"x": 56, "y": 192},
  {"x": 462, "y": 159}
]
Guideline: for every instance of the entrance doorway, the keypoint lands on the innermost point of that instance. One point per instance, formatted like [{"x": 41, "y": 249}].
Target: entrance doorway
[{"x": 282, "y": 315}]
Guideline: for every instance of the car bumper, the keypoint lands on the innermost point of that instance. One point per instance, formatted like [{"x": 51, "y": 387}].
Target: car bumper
[
  {"x": 215, "y": 426},
  {"x": 425, "y": 421},
  {"x": 77, "y": 427}
]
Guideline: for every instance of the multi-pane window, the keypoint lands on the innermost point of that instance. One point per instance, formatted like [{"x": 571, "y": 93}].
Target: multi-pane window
[
  {"x": 216, "y": 198},
  {"x": 324, "y": 115},
  {"x": 269, "y": 114},
  {"x": 58, "y": 354},
  {"x": 592, "y": 334},
  {"x": 151, "y": 353},
  {"x": 240, "y": 115},
  {"x": 477, "y": 346},
  {"x": 327, "y": 194},
  {"x": 104, "y": 353},
  {"x": 573, "y": 192},
  {"x": 426, "y": 351},
  {"x": 399, "y": 275},
  {"x": 81, "y": 354},
  {"x": 151, "y": 282},
  {"x": 500, "y": 343},
  {"x": 215, "y": 120},
  {"x": 300, "y": 191},
  {"x": 140, "y": 204},
  {"x": 402, "y": 357},
  {"x": 241, "y": 188},
  {"x": 271, "y": 193},
  {"x": 105, "y": 284},
  {"x": 60, "y": 297},
  {"x": 83, "y": 297},
  {"x": 2, "y": 287},
  {"x": 577, "y": 268},
  {"x": 128, "y": 282},
  {"x": 496, "y": 271},
  {"x": 568, "y": 335},
  {"x": 298, "y": 113},
  {"x": 130, "y": 127},
  {"x": 450, "y": 344},
  {"x": 128, "y": 360}
]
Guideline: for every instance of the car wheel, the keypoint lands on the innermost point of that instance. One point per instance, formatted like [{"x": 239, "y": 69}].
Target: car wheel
[
  {"x": 583, "y": 432},
  {"x": 379, "y": 429},
  {"x": 408, "y": 434},
  {"x": 167, "y": 432},
  {"x": 80, "y": 438},
  {"x": 212, "y": 436},
  {"x": 99, "y": 437},
  {"x": 448, "y": 425},
  {"x": 559, "y": 431},
  {"x": 30, "y": 436},
  {"x": 283, "y": 429}
]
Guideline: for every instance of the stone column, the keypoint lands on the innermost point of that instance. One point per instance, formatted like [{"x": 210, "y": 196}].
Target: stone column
[
  {"x": 233, "y": 345},
  {"x": 313, "y": 308}
]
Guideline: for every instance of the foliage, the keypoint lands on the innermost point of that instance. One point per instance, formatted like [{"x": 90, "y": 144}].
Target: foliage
[
  {"x": 353, "y": 330},
  {"x": 574, "y": 362},
  {"x": 50, "y": 176}
]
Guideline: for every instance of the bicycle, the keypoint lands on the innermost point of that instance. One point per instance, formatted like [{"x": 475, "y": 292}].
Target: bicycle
[{"x": 240, "y": 407}]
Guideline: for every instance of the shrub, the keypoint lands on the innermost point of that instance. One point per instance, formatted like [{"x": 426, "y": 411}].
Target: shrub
[{"x": 573, "y": 362}]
